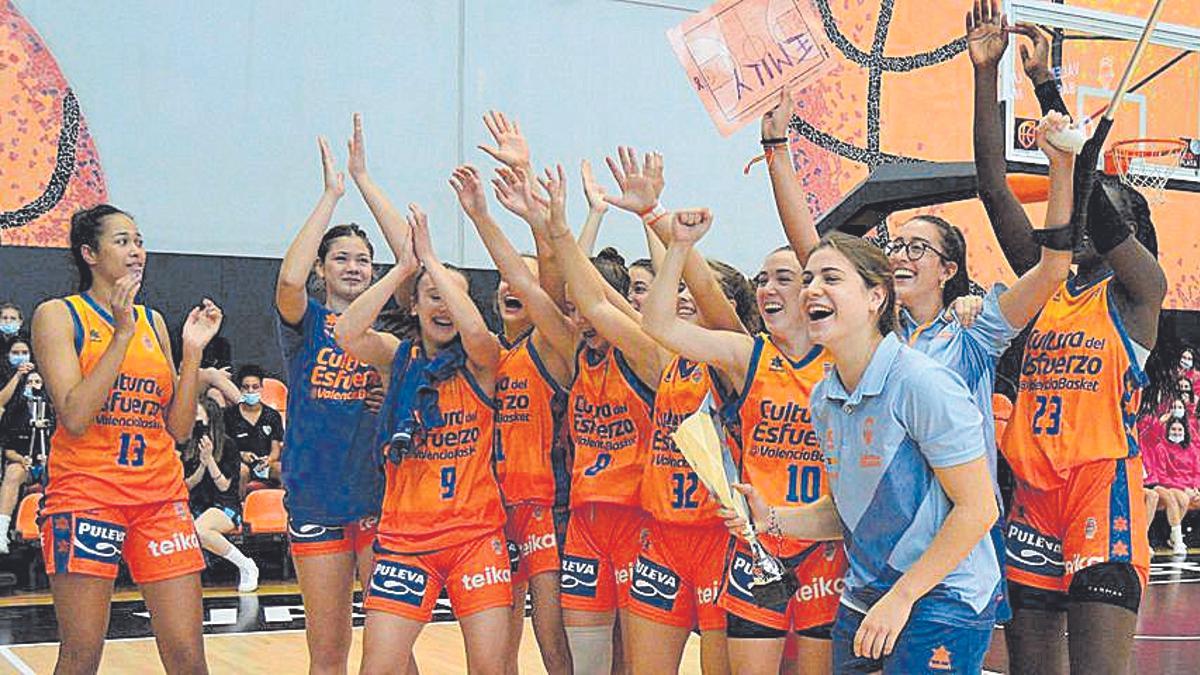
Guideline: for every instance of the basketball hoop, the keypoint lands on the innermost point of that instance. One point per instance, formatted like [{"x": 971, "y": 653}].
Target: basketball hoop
[{"x": 1145, "y": 164}]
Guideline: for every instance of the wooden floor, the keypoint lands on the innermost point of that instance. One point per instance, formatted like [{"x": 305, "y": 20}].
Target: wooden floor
[
  {"x": 240, "y": 637},
  {"x": 439, "y": 651}
]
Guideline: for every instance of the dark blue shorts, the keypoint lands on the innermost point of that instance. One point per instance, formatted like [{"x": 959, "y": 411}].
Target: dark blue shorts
[{"x": 923, "y": 647}]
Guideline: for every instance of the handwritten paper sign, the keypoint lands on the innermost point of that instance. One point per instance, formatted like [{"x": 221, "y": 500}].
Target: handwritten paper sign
[{"x": 739, "y": 53}]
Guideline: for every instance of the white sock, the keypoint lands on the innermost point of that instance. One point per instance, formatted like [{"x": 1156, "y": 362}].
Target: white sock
[
  {"x": 5, "y": 521},
  {"x": 236, "y": 557},
  {"x": 1177, "y": 533}
]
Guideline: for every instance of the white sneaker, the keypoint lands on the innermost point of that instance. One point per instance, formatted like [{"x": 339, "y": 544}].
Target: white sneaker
[
  {"x": 1178, "y": 547},
  {"x": 248, "y": 578}
]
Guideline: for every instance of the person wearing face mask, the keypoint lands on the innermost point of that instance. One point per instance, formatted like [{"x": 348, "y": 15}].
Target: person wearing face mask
[
  {"x": 1187, "y": 368},
  {"x": 257, "y": 429},
  {"x": 11, "y": 322},
  {"x": 210, "y": 469},
  {"x": 1173, "y": 468},
  {"x": 24, "y": 455},
  {"x": 17, "y": 365}
]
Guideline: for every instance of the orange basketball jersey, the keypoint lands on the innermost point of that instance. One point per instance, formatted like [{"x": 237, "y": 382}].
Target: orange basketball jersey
[
  {"x": 530, "y": 409},
  {"x": 444, "y": 491},
  {"x": 126, "y": 456},
  {"x": 671, "y": 491},
  {"x": 1080, "y": 389},
  {"x": 610, "y": 429},
  {"x": 781, "y": 455}
]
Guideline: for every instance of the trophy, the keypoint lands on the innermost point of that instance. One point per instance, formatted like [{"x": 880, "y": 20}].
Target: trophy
[{"x": 702, "y": 441}]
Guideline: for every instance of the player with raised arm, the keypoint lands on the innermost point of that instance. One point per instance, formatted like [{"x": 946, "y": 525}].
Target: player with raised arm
[
  {"x": 442, "y": 519},
  {"x": 1078, "y": 551},
  {"x": 116, "y": 488},
  {"x": 330, "y": 469}
]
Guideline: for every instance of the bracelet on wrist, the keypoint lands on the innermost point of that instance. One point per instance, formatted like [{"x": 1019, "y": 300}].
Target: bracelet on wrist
[
  {"x": 653, "y": 207},
  {"x": 650, "y": 217},
  {"x": 772, "y": 142}
]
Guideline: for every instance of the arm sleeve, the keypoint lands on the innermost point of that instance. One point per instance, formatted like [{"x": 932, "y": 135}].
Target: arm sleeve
[
  {"x": 939, "y": 414},
  {"x": 1050, "y": 98}
]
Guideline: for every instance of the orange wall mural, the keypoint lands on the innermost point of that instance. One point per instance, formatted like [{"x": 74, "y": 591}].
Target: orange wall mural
[{"x": 48, "y": 163}]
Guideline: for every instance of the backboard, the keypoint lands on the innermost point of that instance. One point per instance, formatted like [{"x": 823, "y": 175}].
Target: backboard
[{"x": 1093, "y": 41}]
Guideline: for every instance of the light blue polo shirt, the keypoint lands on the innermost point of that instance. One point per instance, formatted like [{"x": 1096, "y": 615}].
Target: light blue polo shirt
[
  {"x": 908, "y": 415},
  {"x": 972, "y": 353}
]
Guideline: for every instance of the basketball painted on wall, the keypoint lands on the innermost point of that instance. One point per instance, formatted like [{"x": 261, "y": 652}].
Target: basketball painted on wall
[
  {"x": 49, "y": 167},
  {"x": 903, "y": 92}
]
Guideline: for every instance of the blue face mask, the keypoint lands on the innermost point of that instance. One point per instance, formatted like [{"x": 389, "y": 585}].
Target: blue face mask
[
  {"x": 29, "y": 392},
  {"x": 251, "y": 399},
  {"x": 18, "y": 360},
  {"x": 10, "y": 327}
]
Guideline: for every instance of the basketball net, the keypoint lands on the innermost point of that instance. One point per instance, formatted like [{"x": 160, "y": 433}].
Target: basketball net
[{"x": 1145, "y": 164}]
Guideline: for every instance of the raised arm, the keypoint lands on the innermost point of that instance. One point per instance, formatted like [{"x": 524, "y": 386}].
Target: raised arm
[
  {"x": 728, "y": 351},
  {"x": 588, "y": 293},
  {"x": 716, "y": 311},
  {"x": 790, "y": 199},
  {"x": 291, "y": 294},
  {"x": 201, "y": 326},
  {"x": 551, "y": 324},
  {"x": 353, "y": 330},
  {"x": 395, "y": 230},
  {"x": 1139, "y": 284},
  {"x": 78, "y": 399},
  {"x": 481, "y": 346},
  {"x": 987, "y": 41},
  {"x": 1036, "y": 63},
  {"x": 597, "y": 207},
  {"x": 1030, "y": 292}
]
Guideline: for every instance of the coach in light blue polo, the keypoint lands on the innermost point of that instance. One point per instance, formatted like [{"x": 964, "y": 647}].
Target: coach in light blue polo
[
  {"x": 882, "y": 442},
  {"x": 972, "y": 352}
]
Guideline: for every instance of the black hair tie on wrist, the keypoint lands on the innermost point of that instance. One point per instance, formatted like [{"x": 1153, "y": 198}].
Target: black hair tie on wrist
[
  {"x": 772, "y": 142},
  {"x": 1061, "y": 238}
]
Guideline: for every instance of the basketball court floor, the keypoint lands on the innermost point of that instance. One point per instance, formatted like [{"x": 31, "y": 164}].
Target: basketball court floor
[{"x": 264, "y": 632}]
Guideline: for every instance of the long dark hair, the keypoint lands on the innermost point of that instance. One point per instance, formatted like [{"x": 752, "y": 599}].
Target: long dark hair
[
  {"x": 954, "y": 247},
  {"x": 216, "y": 432},
  {"x": 1187, "y": 428},
  {"x": 86, "y": 225}
]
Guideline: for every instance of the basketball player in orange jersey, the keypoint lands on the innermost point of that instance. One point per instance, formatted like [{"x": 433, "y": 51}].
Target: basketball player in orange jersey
[
  {"x": 531, "y": 400},
  {"x": 115, "y": 484},
  {"x": 1077, "y": 548},
  {"x": 592, "y": 645},
  {"x": 532, "y": 458},
  {"x": 773, "y": 375},
  {"x": 330, "y": 468},
  {"x": 443, "y": 519}
]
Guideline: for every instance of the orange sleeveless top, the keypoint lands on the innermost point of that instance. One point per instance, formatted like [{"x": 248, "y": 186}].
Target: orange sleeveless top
[
  {"x": 781, "y": 455},
  {"x": 530, "y": 409},
  {"x": 126, "y": 456},
  {"x": 671, "y": 491},
  {"x": 610, "y": 429},
  {"x": 444, "y": 492},
  {"x": 1079, "y": 391}
]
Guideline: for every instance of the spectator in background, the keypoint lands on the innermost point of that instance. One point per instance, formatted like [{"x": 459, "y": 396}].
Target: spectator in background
[
  {"x": 25, "y": 429},
  {"x": 1186, "y": 391},
  {"x": 1187, "y": 366},
  {"x": 210, "y": 469},
  {"x": 17, "y": 364},
  {"x": 1171, "y": 453},
  {"x": 11, "y": 322},
  {"x": 257, "y": 429}
]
